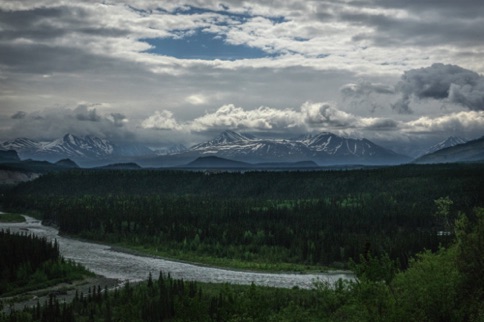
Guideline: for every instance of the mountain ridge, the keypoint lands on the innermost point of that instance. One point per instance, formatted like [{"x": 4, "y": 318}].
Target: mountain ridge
[{"x": 325, "y": 149}]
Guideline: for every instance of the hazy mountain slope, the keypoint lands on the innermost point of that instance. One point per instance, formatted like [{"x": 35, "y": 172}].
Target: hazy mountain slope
[
  {"x": 447, "y": 143},
  {"x": 467, "y": 152}
]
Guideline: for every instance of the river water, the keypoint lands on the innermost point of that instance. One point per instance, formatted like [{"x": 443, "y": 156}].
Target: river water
[{"x": 102, "y": 260}]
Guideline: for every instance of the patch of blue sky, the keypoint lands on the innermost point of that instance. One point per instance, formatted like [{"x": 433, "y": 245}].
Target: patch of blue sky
[{"x": 204, "y": 45}]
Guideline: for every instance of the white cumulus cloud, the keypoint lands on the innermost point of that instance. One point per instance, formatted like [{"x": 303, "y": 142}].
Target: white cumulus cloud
[
  {"x": 163, "y": 120},
  {"x": 231, "y": 117}
]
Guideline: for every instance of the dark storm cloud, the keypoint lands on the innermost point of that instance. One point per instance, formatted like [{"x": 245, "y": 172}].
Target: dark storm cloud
[
  {"x": 425, "y": 23},
  {"x": 441, "y": 82},
  {"x": 446, "y": 83},
  {"x": 19, "y": 115},
  {"x": 83, "y": 113},
  {"x": 118, "y": 119}
]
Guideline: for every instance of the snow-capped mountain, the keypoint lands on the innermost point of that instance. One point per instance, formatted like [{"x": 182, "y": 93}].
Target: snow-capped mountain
[
  {"x": 324, "y": 148},
  {"x": 72, "y": 147},
  {"x": 447, "y": 143},
  {"x": 21, "y": 145},
  {"x": 337, "y": 146},
  {"x": 69, "y": 146},
  {"x": 244, "y": 147}
]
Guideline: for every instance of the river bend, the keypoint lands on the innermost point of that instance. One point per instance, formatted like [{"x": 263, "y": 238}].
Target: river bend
[{"x": 102, "y": 260}]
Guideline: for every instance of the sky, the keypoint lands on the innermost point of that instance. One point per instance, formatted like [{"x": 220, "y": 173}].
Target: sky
[{"x": 401, "y": 73}]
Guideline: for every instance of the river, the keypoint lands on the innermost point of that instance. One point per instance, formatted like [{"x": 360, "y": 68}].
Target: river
[{"x": 103, "y": 260}]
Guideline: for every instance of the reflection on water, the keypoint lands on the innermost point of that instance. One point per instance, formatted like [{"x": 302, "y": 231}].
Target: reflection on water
[{"x": 101, "y": 260}]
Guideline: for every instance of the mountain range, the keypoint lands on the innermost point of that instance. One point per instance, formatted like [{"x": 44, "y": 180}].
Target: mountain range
[
  {"x": 80, "y": 149},
  {"x": 323, "y": 149}
]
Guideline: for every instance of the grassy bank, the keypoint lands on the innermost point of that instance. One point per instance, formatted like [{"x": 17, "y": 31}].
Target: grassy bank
[
  {"x": 11, "y": 218},
  {"x": 229, "y": 263}
]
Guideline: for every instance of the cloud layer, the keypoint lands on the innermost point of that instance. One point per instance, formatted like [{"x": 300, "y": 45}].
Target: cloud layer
[{"x": 390, "y": 69}]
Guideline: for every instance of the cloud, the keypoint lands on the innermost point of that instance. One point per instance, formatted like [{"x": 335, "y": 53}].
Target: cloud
[
  {"x": 59, "y": 53},
  {"x": 326, "y": 115},
  {"x": 196, "y": 99},
  {"x": 441, "y": 82},
  {"x": 365, "y": 93},
  {"x": 410, "y": 24},
  {"x": 365, "y": 88},
  {"x": 469, "y": 95},
  {"x": 445, "y": 83},
  {"x": 377, "y": 124},
  {"x": 118, "y": 119},
  {"x": 52, "y": 123},
  {"x": 310, "y": 117},
  {"x": 459, "y": 122},
  {"x": 231, "y": 117},
  {"x": 85, "y": 113},
  {"x": 19, "y": 115},
  {"x": 163, "y": 120}
]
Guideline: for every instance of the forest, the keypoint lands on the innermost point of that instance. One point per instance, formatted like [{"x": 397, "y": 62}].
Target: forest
[
  {"x": 446, "y": 285},
  {"x": 413, "y": 235},
  {"x": 30, "y": 262},
  {"x": 262, "y": 220}
]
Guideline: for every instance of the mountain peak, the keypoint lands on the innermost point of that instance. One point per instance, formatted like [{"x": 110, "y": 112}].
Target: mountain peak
[
  {"x": 226, "y": 137},
  {"x": 232, "y": 136},
  {"x": 447, "y": 143}
]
